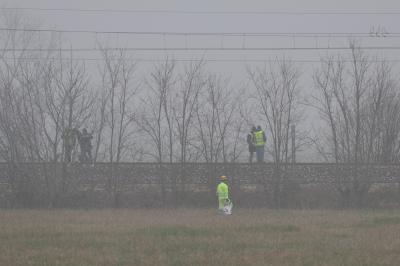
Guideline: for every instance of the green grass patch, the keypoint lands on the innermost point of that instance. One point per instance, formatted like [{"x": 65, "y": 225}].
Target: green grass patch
[
  {"x": 199, "y": 237},
  {"x": 267, "y": 228},
  {"x": 175, "y": 231},
  {"x": 193, "y": 232},
  {"x": 379, "y": 221}
]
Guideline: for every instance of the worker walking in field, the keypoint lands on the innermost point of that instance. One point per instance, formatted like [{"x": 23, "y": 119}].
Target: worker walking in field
[{"x": 222, "y": 193}]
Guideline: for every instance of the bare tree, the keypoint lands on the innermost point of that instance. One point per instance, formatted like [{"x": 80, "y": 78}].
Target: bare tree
[
  {"x": 156, "y": 120},
  {"x": 191, "y": 82},
  {"x": 14, "y": 48},
  {"x": 355, "y": 99},
  {"x": 76, "y": 99},
  {"x": 118, "y": 74},
  {"x": 277, "y": 96},
  {"x": 22, "y": 131},
  {"x": 215, "y": 113},
  {"x": 98, "y": 122}
]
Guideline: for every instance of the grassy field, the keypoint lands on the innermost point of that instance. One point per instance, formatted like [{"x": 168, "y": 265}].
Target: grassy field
[{"x": 199, "y": 237}]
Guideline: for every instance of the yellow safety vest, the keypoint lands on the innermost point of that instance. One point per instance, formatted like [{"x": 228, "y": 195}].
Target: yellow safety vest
[
  {"x": 259, "y": 138},
  {"x": 222, "y": 191}
]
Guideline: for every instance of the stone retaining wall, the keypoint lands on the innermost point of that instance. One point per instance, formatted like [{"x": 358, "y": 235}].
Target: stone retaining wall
[{"x": 193, "y": 184}]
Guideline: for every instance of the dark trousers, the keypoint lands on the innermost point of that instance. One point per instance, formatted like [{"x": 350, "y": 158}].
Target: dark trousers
[
  {"x": 251, "y": 156},
  {"x": 86, "y": 156},
  {"x": 68, "y": 154}
]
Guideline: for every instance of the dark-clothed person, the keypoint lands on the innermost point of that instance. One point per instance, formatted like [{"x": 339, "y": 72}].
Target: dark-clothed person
[
  {"x": 85, "y": 142},
  {"x": 250, "y": 142},
  {"x": 69, "y": 143}
]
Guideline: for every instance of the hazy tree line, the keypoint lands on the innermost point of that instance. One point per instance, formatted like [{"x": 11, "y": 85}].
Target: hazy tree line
[
  {"x": 183, "y": 112},
  {"x": 359, "y": 102},
  {"x": 172, "y": 115}
]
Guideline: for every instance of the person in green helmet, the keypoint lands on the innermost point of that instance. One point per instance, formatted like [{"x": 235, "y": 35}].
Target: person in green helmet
[{"x": 222, "y": 192}]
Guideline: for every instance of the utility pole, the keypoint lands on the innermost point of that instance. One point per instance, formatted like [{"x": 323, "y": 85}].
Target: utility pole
[{"x": 293, "y": 133}]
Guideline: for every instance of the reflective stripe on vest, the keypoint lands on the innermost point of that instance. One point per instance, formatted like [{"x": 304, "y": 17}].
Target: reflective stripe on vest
[{"x": 259, "y": 138}]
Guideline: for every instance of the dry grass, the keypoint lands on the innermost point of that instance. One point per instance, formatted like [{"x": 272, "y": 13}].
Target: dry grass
[{"x": 199, "y": 237}]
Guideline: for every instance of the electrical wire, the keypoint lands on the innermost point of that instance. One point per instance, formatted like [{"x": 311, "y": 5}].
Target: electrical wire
[
  {"x": 190, "y": 60},
  {"x": 204, "y": 12},
  {"x": 197, "y": 49},
  {"x": 239, "y": 34}
]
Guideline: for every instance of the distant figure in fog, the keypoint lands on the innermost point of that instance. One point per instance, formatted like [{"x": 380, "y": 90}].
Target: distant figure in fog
[
  {"x": 69, "y": 140},
  {"x": 250, "y": 142},
  {"x": 259, "y": 143},
  {"x": 85, "y": 141}
]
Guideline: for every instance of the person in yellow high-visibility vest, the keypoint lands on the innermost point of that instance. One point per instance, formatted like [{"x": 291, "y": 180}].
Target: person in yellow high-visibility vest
[
  {"x": 259, "y": 142},
  {"x": 222, "y": 192}
]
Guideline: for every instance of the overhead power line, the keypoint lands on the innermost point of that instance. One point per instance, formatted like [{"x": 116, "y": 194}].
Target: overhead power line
[
  {"x": 199, "y": 49},
  {"x": 240, "y": 34},
  {"x": 192, "y": 60},
  {"x": 205, "y": 12}
]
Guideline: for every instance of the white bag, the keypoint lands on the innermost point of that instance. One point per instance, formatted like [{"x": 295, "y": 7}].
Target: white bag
[{"x": 228, "y": 207}]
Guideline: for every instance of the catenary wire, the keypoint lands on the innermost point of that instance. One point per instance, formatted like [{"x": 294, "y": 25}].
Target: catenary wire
[
  {"x": 198, "y": 49},
  {"x": 239, "y": 34},
  {"x": 205, "y": 12},
  {"x": 190, "y": 60}
]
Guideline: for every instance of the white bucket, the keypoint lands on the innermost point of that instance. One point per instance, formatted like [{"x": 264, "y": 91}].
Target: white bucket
[{"x": 228, "y": 207}]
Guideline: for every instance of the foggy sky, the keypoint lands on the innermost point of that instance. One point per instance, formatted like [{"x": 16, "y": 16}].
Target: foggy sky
[{"x": 156, "y": 22}]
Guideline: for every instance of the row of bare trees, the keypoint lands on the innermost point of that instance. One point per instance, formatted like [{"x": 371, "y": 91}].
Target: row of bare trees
[
  {"x": 175, "y": 114},
  {"x": 277, "y": 95},
  {"x": 181, "y": 113},
  {"x": 170, "y": 116},
  {"x": 184, "y": 113},
  {"x": 359, "y": 100},
  {"x": 190, "y": 116},
  {"x": 360, "y": 103}
]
